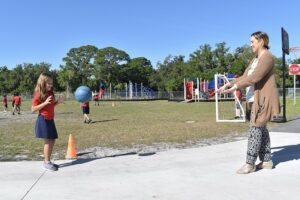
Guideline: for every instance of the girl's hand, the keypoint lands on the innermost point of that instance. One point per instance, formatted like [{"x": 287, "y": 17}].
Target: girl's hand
[
  {"x": 60, "y": 100},
  {"x": 48, "y": 100}
]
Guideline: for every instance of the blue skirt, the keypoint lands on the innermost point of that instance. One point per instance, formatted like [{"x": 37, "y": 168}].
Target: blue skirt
[{"x": 45, "y": 128}]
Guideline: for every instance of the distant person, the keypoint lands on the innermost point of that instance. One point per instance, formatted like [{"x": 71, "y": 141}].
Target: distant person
[
  {"x": 44, "y": 102},
  {"x": 259, "y": 77},
  {"x": 16, "y": 103},
  {"x": 102, "y": 90},
  {"x": 4, "y": 103},
  {"x": 238, "y": 102},
  {"x": 197, "y": 94},
  {"x": 96, "y": 97},
  {"x": 86, "y": 111}
]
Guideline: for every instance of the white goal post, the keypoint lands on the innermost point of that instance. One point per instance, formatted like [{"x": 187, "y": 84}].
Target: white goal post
[{"x": 218, "y": 98}]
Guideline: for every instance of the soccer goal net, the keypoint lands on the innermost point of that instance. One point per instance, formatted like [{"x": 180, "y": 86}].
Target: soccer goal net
[{"x": 229, "y": 108}]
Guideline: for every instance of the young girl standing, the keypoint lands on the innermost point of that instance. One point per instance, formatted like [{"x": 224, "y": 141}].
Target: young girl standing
[{"x": 44, "y": 102}]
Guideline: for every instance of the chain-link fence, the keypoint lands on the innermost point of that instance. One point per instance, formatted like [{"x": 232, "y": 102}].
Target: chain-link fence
[{"x": 174, "y": 95}]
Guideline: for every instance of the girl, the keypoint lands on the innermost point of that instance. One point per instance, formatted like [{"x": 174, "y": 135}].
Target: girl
[{"x": 44, "y": 102}]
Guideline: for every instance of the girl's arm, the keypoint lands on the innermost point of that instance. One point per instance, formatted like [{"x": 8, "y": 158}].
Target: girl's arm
[
  {"x": 59, "y": 101},
  {"x": 42, "y": 105}
]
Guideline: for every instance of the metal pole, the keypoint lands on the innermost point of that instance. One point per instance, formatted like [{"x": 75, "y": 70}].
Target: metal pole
[
  {"x": 294, "y": 89},
  {"x": 130, "y": 90},
  {"x": 126, "y": 90},
  {"x": 110, "y": 91},
  {"x": 216, "y": 98},
  {"x": 141, "y": 90},
  {"x": 193, "y": 89},
  {"x": 198, "y": 90},
  {"x": 283, "y": 87},
  {"x": 136, "y": 91},
  {"x": 184, "y": 89}
]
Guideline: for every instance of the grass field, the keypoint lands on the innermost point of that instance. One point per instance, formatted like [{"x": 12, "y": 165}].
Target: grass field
[{"x": 125, "y": 124}]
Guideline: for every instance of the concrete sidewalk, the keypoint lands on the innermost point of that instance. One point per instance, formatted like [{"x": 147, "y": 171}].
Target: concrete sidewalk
[{"x": 199, "y": 173}]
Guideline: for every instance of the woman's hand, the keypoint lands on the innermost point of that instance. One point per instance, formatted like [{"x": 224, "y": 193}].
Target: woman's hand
[
  {"x": 223, "y": 88},
  {"x": 230, "y": 90}
]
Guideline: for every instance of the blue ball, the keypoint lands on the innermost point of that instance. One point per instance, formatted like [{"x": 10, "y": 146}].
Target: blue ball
[{"x": 83, "y": 94}]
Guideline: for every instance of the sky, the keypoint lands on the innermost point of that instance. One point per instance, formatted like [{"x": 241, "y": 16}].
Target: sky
[{"x": 35, "y": 31}]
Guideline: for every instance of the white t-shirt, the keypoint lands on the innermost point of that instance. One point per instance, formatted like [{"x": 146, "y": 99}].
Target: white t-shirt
[{"x": 250, "y": 89}]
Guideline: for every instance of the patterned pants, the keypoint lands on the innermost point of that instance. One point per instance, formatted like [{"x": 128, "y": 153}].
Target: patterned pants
[{"x": 258, "y": 145}]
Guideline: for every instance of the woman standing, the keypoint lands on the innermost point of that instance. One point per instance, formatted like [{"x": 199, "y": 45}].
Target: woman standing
[{"x": 261, "y": 90}]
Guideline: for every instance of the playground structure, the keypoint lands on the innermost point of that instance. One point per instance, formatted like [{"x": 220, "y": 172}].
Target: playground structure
[
  {"x": 131, "y": 91},
  {"x": 191, "y": 93},
  {"x": 196, "y": 89},
  {"x": 136, "y": 90}
]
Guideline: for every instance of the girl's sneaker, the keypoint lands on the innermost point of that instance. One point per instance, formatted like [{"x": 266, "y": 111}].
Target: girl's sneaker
[
  {"x": 55, "y": 165},
  {"x": 49, "y": 166}
]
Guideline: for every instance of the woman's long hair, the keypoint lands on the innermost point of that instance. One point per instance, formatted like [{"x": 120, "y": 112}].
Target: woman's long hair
[{"x": 41, "y": 86}]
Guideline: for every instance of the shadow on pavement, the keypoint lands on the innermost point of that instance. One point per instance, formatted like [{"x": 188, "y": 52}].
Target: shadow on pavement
[
  {"x": 297, "y": 118},
  {"x": 286, "y": 153},
  {"x": 85, "y": 160}
]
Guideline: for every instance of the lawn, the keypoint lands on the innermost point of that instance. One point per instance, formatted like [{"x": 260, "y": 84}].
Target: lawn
[{"x": 118, "y": 124}]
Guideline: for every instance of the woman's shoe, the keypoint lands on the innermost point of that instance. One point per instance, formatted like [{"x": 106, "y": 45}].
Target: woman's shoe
[
  {"x": 246, "y": 169},
  {"x": 265, "y": 165}
]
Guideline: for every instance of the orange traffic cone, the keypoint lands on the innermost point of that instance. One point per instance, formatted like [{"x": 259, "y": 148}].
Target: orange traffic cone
[{"x": 71, "y": 153}]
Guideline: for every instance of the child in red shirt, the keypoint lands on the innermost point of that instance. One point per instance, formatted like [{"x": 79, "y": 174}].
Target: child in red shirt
[
  {"x": 44, "y": 102},
  {"x": 17, "y": 103},
  {"x": 86, "y": 111},
  {"x": 4, "y": 102}
]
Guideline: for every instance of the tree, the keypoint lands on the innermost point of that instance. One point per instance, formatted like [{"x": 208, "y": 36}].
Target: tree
[
  {"x": 80, "y": 62},
  {"x": 31, "y": 73},
  {"x": 108, "y": 63},
  {"x": 222, "y": 59},
  {"x": 241, "y": 59},
  {"x": 202, "y": 58},
  {"x": 66, "y": 77},
  {"x": 15, "y": 79},
  {"x": 4, "y": 79},
  {"x": 137, "y": 70},
  {"x": 170, "y": 74}
]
